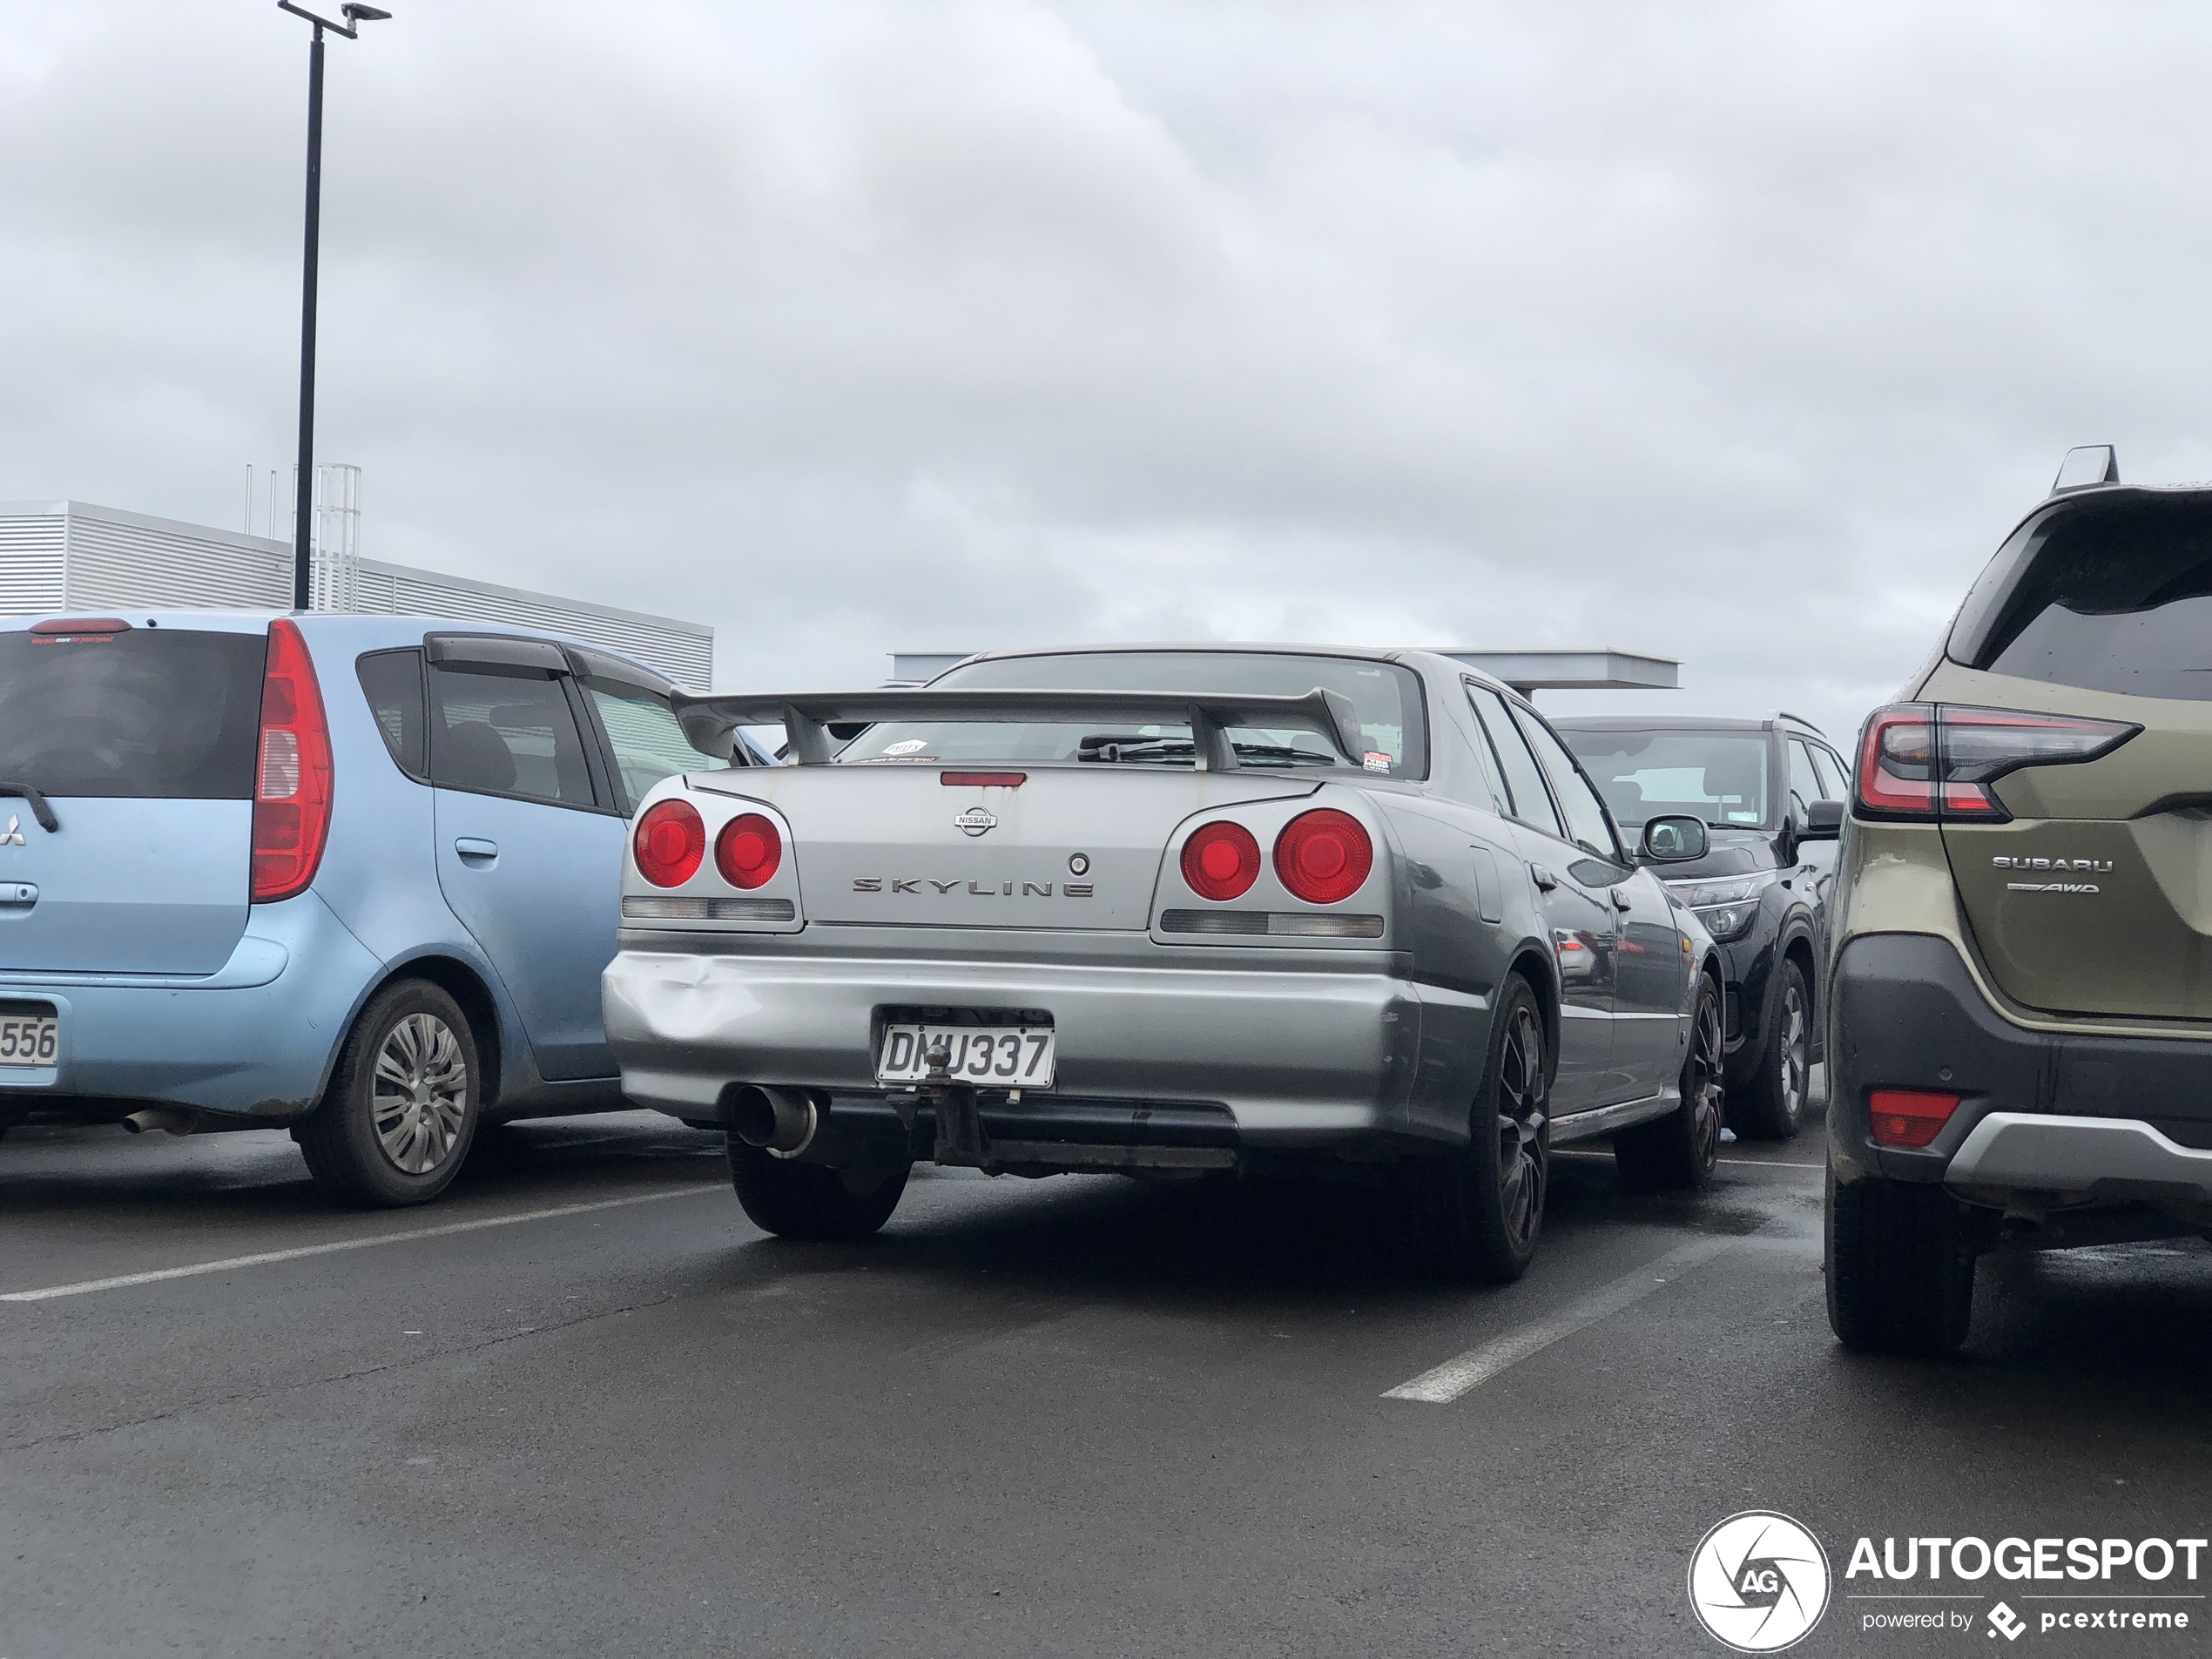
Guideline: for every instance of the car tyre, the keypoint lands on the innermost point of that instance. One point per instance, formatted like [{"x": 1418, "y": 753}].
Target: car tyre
[
  {"x": 1678, "y": 1152},
  {"x": 1772, "y": 1107},
  {"x": 1900, "y": 1266},
  {"x": 812, "y": 1201},
  {"x": 1476, "y": 1214},
  {"x": 402, "y": 1107}
]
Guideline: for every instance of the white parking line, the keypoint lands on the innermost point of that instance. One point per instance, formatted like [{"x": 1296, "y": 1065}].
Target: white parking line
[
  {"x": 1479, "y": 1365},
  {"x": 124, "y": 1281}
]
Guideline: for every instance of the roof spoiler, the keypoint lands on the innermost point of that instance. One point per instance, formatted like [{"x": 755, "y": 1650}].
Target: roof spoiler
[{"x": 806, "y": 717}]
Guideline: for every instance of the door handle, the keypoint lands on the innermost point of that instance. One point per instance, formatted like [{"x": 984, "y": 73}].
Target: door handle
[
  {"x": 473, "y": 846},
  {"x": 1544, "y": 879},
  {"x": 1621, "y": 901}
]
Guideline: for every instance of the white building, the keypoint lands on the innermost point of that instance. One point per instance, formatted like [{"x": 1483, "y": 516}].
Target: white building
[{"x": 66, "y": 556}]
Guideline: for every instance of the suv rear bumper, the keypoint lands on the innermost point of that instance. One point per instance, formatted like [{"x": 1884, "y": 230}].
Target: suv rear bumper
[
  {"x": 1297, "y": 1058},
  {"x": 2075, "y": 1114}
]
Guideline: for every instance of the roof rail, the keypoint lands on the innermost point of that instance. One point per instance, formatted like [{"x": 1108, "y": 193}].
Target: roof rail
[{"x": 1784, "y": 714}]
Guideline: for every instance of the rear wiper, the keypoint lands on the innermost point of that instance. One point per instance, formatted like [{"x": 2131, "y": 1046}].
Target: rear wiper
[{"x": 39, "y": 810}]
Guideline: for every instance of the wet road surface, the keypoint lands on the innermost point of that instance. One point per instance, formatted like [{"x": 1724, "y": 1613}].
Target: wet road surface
[{"x": 583, "y": 1406}]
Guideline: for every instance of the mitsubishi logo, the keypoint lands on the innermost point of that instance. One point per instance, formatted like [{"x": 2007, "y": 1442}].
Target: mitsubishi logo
[
  {"x": 14, "y": 837},
  {"x": 973, "y": 821}
]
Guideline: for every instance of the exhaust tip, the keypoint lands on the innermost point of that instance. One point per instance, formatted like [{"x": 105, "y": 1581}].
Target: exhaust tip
[{"x": 781, "y": 1119}]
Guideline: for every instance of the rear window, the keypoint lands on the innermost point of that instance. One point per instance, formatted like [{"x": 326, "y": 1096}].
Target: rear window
[
  {"x": 1387, "y": 697},
  {"x": 2111, "y": 593},
  {"x": 1718, "y": 776},
  {"x": 150, "y": 713}
]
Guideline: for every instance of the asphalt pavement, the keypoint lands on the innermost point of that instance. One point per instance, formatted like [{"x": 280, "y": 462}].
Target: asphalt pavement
[{"x": 582, "y": 1406}]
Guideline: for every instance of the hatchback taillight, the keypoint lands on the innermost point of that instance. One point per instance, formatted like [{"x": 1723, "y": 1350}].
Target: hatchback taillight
[
  {"x": 1324, "y": 856},
  {"x": 669, "y": 843},
  {"x": 748, "y": 851},
  {"x": 291, "y": 783},
  {"x": 1928, "y": 760},
  {"x": 1221, "y": 861}
]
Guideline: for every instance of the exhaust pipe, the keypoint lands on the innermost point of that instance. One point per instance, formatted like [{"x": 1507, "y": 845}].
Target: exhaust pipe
[
  {"x": 177, "y": 1120},
  {"x": 782, "y": 1120}
]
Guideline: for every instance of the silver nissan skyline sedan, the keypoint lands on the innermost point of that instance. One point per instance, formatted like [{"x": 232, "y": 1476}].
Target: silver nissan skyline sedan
[{"x": 1166, "y": 911}]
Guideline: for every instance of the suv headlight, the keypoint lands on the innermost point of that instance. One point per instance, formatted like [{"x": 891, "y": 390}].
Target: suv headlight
[{"x": 1727, "y": 905}]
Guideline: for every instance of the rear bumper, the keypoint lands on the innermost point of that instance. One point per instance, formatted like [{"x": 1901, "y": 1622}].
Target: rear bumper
[
  {"x": 2077, "y": 1114},
  {"x": 254, "y": 1039},
  {"x": 1299, "y": 1058}
]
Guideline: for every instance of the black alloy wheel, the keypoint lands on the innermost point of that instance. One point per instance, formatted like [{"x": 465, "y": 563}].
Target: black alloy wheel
[
  {"x": 1476, "y": 1214},
  {"x": 1681, "y": 1150},
  {"x": 1772, "y": 1108}
]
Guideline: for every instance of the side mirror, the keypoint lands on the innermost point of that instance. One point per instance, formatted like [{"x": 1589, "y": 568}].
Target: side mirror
[
  {"x": 1675, "y": 838},
  {"x": 1823, "y": 821}
]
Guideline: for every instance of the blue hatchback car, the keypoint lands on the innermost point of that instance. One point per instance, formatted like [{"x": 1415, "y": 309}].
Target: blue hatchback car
[{"x": 355, "y": 877}]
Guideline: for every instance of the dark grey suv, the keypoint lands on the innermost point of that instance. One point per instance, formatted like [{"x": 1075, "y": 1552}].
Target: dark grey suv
[{"x": 1772, "y": 789}]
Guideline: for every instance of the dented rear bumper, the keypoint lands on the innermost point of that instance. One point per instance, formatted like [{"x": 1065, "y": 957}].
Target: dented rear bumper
[{"x": 1298, "y": 1059}]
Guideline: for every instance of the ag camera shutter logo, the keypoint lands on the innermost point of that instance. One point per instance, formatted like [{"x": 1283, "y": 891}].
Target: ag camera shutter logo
[{"x": 1758, "y": 1582}]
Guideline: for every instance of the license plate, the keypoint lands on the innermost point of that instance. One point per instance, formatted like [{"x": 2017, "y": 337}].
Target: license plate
[
  {"x": 29, "y": 1040},
  {"x": 987, "y": 1056}
]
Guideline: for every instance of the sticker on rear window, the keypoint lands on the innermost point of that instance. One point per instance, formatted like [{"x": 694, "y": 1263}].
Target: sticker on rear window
[
  {"x": 1375, "y": 761},
  {"x": 910, "y": 746}
]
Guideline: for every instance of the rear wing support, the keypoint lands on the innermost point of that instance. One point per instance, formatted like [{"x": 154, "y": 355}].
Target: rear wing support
[{"x": 807, "y": 718}]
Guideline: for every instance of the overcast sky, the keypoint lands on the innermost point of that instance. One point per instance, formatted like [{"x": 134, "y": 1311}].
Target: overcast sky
[{"x": 1736, "y": 333}]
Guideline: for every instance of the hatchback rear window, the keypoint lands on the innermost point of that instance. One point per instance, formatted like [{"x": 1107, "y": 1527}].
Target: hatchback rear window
[
  {"x": 148, "y": 713},
  {"x": 2111, "y": 593}
]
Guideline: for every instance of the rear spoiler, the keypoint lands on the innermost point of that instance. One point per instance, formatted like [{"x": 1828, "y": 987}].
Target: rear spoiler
[{"x": 806, "y": 717}]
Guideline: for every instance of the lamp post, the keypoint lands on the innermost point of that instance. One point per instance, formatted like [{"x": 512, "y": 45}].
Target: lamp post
[{"x": 303, "y": 487}]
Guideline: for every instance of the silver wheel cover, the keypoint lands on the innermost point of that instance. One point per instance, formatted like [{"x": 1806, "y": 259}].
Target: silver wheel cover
[{"x": 419, "y": 1093}]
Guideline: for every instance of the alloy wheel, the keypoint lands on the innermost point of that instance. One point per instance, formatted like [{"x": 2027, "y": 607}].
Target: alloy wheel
[
  {"x": 420, "y": 1096},
  {"x": 1523, "y": 1090},
  {"x": 1702, "y": 1082},
  {"x": 1796, "y": 1055}
]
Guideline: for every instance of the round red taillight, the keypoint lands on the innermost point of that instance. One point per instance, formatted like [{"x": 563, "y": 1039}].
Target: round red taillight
[
  {"x": 747, "y": 851},
  {"x": 1323, "y": 856},
  {"x": 1221, "y": 861},
  {"x": 670, "y": 842}
]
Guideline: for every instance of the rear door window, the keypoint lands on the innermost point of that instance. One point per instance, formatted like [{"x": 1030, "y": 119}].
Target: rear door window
[
  {"x": 1587, "y": 824},
  {"x": 2110, "y": 593},
  {"x": 647, "y": 742},
  {"x": 146, "y": 713},
  {"x": 1531, "y": 804},
  {"x": 506, "y": 733}
]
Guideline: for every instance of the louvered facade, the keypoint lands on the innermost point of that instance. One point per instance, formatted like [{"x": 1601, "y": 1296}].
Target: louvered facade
[{"x": 66, "y": 556}]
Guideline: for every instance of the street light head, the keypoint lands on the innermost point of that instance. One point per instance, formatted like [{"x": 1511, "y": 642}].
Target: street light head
[{"x": 363, "y": 14}]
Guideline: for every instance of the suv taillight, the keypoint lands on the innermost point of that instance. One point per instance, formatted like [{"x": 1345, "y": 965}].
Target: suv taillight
[
  {"x": 1930, "y": 760},
  {"x": 291, "y": 783}
]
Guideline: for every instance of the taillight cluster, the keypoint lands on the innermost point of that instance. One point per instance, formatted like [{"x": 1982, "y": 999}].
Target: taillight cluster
[
  {"x": 670, "y": 845},
  {"x": 292, "y": 779},
  {"x": 1930, "y": 760},
  {"x": 1322, "y": 857}
]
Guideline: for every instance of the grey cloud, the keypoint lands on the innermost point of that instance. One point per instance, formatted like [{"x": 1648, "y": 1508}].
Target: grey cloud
[{"x": 1738, "y": 333}]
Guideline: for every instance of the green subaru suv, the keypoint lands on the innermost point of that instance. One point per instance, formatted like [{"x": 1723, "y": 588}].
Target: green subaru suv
[{"x": 2020, "y": 1012}]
